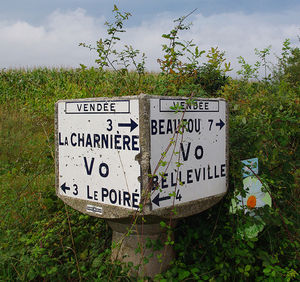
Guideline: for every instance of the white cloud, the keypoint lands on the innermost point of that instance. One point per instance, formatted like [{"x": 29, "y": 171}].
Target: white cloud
[{"x": 55, "y": 43}]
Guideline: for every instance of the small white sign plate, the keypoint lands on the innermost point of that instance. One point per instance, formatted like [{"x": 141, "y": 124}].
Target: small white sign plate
[
  {"x": 195, "y": 165},
  {"x": 97, "y": 145}
]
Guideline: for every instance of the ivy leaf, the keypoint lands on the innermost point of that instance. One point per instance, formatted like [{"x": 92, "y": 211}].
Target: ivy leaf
[{"x": 183, "y": 274}]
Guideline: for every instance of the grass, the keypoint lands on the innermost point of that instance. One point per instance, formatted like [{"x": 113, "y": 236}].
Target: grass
[{"x": 42, "y": 239}]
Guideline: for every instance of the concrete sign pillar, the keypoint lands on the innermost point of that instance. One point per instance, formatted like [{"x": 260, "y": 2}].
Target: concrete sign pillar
[
  {"x": 141, "y": 159},
  {"x": 137, "y": 248}
]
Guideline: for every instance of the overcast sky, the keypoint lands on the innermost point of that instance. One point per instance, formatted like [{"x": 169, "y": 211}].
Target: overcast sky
[{"x": 47, "y": 33}]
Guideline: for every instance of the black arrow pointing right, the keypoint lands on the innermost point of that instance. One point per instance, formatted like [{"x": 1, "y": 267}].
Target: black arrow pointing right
[
  {"x": 132, "y": 125},
  {"x": 64, "y": 187},
  {"x": 157, "y": 199},
  {"x": 221, "y": 124}
]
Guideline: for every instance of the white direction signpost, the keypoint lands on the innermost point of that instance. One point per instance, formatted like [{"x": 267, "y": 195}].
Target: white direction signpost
[
  {"x": 97, "y": 141},
  {"x": 106, "y": 149},
  {"x": 117, "y": 155},
  {"x": 194, "y": 167}
]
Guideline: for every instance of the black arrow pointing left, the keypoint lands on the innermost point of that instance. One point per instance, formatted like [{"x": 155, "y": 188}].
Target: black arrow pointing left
[
  {"x": 132, "y": 125},
  {"x": 64, "y": 187},
  {"x": 157, "y": 199}
]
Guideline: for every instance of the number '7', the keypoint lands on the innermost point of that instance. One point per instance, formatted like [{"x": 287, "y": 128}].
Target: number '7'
[{"x": 211, "y": 123}]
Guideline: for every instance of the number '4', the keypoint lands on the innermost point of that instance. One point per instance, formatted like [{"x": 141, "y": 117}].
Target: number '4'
[{"x": 178, "y": 196}]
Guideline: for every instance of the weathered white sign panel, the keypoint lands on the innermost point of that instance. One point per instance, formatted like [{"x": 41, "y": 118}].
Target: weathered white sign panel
[
  {"x": 97, "y": 145},
  {"x": 194, "y": 166},
  {"x": 107, "y": 147}
]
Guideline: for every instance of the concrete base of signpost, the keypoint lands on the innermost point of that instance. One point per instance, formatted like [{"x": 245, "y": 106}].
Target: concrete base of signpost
[{"x": 134, "y": 247}]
